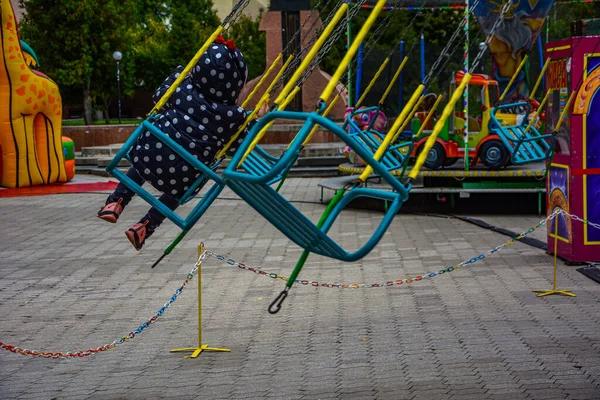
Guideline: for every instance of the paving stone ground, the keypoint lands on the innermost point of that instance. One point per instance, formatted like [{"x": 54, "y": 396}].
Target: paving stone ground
[{"x": 69, "y": 282}]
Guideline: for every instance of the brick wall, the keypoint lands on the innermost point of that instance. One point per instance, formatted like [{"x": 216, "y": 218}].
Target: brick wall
[{"x": 103, "y": 135}]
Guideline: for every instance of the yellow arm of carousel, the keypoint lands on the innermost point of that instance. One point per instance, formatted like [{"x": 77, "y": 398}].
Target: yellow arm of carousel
[
  {"x": 539, "y": 80},
  {"x": 264, "y": 130},
  {"x": 538, "y": 111},
  {"x": 311, "y": 55},
  {"x": 393, "y": 81},
  {"x": 397, "y": 124},
  {"x": 325, "y": 113},
  {"x": 163, "y": 100},
  {"x": 429, "y": 116},
  {"x": 372, "y": 83},
  {"x": 262, "y": 80},
  {"x": 512, "y": 80},
  {"x": 351, "y": 51},
  {"x": 439, "y": 125}
]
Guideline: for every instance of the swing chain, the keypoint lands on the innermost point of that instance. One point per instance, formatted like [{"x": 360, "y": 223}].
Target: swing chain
[
  {"x": 579, "y": 219},
  {"x": 305, "y": 46},
  {"x": 450, "y": 43},
  {"x": 352, "y": 12},
  {"x": 499, "y": 21},
  {"x": 235, "y": 13}
]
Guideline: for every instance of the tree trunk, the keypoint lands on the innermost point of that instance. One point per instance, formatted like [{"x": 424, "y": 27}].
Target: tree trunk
[
  {"x": 87, "y": 105},
  {"x": 105, "y": 111}
]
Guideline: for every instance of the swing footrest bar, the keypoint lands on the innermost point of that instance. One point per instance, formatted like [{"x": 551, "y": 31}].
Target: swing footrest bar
[{"x": 205, "y": 174}]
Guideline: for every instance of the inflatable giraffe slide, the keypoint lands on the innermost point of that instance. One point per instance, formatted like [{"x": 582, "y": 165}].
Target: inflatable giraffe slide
[{"x": 32, "y": 151}]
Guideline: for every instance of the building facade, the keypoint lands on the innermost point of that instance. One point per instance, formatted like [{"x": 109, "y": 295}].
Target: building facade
[{"x": 223, "y": 7}]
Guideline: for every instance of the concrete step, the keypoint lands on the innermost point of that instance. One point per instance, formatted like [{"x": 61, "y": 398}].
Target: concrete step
[
  {"x": 311, "y": 150},
  {"x": 110, "y": 150},
  {"x": 103, "y": 162},
  {"x": 295, "y": 171}
]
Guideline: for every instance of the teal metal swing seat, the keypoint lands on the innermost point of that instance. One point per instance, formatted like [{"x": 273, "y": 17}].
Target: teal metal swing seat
[
  {"x": 257, "y": 192},
  {"x": 205, "y": 173},
  {"x": 395, "y": 157},
  {"x": 523, "y": 147}
]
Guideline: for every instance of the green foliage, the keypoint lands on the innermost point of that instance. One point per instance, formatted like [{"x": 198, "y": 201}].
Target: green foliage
[
  {"x": 168, "y": 33},
  {"x": 251, "y": 42},
  {"x": 75, "y": 40},
  {"x": 562, "y": 14}
]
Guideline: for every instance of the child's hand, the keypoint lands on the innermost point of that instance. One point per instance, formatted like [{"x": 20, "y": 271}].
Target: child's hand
[{"x": 263, "y": 110}]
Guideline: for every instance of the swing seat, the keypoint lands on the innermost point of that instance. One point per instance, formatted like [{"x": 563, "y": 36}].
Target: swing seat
[
  {"x": 396, "y": 157},
  {"x": 206, "y": 173},
  {"x": 255, "y": 190},
  {"x": 259, "y": 162},
  {"x": 523, "y": 147}
]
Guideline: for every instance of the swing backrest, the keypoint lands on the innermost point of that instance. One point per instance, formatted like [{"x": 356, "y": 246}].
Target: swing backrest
[{"x": 255, "y": 190}]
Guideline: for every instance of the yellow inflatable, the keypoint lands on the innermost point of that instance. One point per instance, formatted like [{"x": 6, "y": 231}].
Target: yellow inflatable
[{"x": 31, "y": 148}]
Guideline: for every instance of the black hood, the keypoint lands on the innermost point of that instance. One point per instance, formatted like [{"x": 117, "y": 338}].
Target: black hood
[{"x": 220, "y": 73}]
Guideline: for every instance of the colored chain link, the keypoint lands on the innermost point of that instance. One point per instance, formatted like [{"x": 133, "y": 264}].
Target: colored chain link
[
  {"x": 117, "y": 342},
  {"x": 396, "y": 282},
  {"x": 260, "y": 271}
]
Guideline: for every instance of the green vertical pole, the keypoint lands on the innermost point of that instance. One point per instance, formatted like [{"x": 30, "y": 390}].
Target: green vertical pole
[
  {"x": 466, "y": 93},
  {"x": 348, "y": 43}
]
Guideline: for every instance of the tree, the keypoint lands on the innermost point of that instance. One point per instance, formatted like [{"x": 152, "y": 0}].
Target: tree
[
  {"x": 167, "y": 34},
  {"x": 74, "y": 40},
  {"x": 251, "y": 42}
]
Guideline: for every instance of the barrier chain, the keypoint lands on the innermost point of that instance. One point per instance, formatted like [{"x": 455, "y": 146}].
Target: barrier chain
[
  {"x": 259, "y": 271},
  {"x": 272, "y": 275},
  {"x": 117, "y": 342}
]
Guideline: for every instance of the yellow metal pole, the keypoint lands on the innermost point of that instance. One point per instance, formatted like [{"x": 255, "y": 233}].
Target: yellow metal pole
[
  {"x": 200, "y": 250},
  {"x": 262, "y": 80},
  {"x": 264, "y": 130},
  {"x": 407, "y": 119},
  {"x": 372, "y": 83},
  {"x": 537, "y": 112},
  {"x": 430, "y": 115},
  {"x": 393, "y": 81},
  {"x": 539, "y": 80},
  {"x": 397, "y": 124},
  {"x": 543, "y": 293},
  {"x": 311, "y": 54},
  {"x": 555, "y": 250},
  {"x": 512, "y": 80},
  {"x": 264, "y": 99},
  {"x": 163, "y": 100},
  {"x": 351, "y": 51},
  {"x": 564, "y": 113},
  {"x": 201, "y": 347},
  {"x": 325, "y": 113},
  {"x": 279, "y": 74},
  {"x": 439, "y": 125}
]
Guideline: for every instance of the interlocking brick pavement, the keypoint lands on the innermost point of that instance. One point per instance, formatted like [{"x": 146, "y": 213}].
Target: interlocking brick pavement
[{"x": 69, "y": 281}]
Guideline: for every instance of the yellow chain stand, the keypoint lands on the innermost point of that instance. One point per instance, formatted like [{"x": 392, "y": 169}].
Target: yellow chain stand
[
  {"x": 543, "y": 293},
  {"x": 201, "y": 347}
]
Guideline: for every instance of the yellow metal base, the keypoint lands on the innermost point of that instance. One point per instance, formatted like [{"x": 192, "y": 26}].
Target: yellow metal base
[
  {"x": 543, "y": 293},
  {"x": 197, "y": 350}
]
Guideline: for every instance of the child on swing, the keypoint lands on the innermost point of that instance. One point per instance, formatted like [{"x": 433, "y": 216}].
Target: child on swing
[{"x": 201, "y": 116}]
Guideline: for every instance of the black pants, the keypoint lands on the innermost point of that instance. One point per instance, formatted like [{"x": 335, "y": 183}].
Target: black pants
[{"x": 154, "y": 217}]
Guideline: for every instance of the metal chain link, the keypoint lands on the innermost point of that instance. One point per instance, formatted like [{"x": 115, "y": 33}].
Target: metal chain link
[
  {"x": 499, "y": 21},
  {"x": 454, "y": 36},
  {"x": 235, "y": 13},
  {"x": 411, "y": 279},
  {"x": 370, "y": 45},
  {"x": 117, "y": 342},
  {"x": 305, "y": 46},
  {"x": 260, "y": 271},
  {"x": 352, "y": 12}
]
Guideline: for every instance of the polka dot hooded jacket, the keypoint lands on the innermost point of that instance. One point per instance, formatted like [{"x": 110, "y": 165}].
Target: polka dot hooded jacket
[{"x": 201, "y": 116}]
